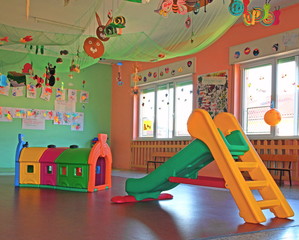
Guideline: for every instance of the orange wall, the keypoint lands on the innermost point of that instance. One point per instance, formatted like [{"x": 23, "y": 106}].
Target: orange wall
[{"x": 212, "y": 59}]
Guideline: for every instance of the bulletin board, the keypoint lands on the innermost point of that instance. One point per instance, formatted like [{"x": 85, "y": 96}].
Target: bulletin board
[{"x": 64, "y": 112}]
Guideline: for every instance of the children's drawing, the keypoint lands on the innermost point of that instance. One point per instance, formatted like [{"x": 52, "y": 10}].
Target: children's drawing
[
  {"x": 84, "y": 97},
  {"x": 46, "y": 93},
  {"x": 77, "y": 121},
  {"x": 4, "y": 90},
  {"x": 31, "y": 91},
  {"x": 60, "y": 94},
  {"x": 72, "y": 95},
  {"x": 17, "y": 91}
]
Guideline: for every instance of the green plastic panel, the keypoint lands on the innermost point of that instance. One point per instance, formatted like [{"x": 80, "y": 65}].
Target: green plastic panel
[{"x": 185, "y": 163}]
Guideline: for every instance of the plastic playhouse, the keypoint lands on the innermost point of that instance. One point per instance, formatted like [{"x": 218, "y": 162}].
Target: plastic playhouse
[
  {"x": 224, "y": 141},
  {"x": 74, "y": 169}
]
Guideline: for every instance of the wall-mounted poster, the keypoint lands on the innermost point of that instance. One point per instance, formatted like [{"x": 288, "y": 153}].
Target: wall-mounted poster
[
  {"x": 36, "y": 124},
  {"x": 212, "y": 92}
]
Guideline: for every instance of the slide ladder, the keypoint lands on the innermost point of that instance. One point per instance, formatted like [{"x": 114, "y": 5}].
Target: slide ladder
[{"x": 243, "y": 171}]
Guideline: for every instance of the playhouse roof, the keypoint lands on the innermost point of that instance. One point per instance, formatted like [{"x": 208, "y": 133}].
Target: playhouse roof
[
  {"x": 32, "y": 154},
  {"x": 51, "y": 154},
  {"x": 74, "y": 156}
]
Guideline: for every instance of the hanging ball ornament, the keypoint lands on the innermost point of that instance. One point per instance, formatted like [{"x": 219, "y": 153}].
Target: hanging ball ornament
[{"x": 272, "y": 117}]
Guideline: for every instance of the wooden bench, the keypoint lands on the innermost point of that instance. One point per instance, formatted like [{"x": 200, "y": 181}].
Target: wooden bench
[
  {"x": 280, "y": 163},
  {"x": 159, "y": 158}
]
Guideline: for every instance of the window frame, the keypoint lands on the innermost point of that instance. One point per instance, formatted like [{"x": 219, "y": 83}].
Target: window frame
[
  {"x": 174, "y": 80},
  {"x": 273, "y": 61}
]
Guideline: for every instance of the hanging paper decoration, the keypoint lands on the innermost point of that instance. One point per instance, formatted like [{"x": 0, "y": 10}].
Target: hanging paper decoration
[
  {"x": 31, "y": 91},
  {"x": 4, "y": 39},
  {"x": 276, "y": 13},
  {"x": 39, "y": 81},
  {"x": 72, "y": 95},
  {"x": 236, "y": 7},
  {"x": 46, "y": 93},
  {"x": 16, "y": 79},
  {"x": 267, "y": 7},
  {"x": 74, "y": 67},
  {"x": 26, "y": 39},
  {"x": 64, "y": 52},
  {"x": 93, "y": 47},
  {"x": 100, "y": 31},
  {"x": 4, "y": 90},
  {"x": 27, "y": 69},
  {"x": 269, "y": 20},
  {"x": 135, "y": 89},
  {"x": 188, "y": 22},
  {"x": 84, "y": 97},
  {"x": 246, "y": 3},
  {"x": 261, "y": 15},
  {"x": 50, "y": 72},
  {"x": 115, "y": 28},
  {"x": 119, "y": 80},
  {"x": 17, "y": 91},
  {"x": 59, "y": 60},
  {"x": 3, "y": 80},
  {"x": 181, "y": 6},
  {"x": 60, "y": 94}
]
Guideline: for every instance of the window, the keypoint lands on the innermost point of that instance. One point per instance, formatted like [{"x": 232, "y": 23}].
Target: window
[
  {"x": 64, "y": 171},
  {"x": 30, "y": 169},
  {"x": 164, "y": 109},
  {"x": 78, "y": 171},
  {"x": 49, "y": 169},
  {"x": 270, "y": 84}
]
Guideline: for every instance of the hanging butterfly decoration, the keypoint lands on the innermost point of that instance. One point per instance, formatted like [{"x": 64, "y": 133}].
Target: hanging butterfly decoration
[{"x": 181, "y": 6}]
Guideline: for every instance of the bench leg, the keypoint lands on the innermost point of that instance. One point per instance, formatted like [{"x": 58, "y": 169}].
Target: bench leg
[
  {"x": 290, "y": 178},
  {"x": 280, "y": 178}
]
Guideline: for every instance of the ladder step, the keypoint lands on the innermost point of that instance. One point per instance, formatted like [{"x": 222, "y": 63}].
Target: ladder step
[
  {"x": 246, "y": 166},
  {"x": 266, "y": 204},
  {"x": 257, "y": 184}
]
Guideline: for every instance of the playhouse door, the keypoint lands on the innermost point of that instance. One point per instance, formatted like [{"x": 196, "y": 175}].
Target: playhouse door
[{"x": 100, "y": 171}]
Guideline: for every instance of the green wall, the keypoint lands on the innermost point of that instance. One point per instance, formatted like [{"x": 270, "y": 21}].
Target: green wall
[{"x": 97, "y": 113}]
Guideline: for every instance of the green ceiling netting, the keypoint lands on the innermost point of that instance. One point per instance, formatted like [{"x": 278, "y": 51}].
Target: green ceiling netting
[{"x": 147, "y": 35}]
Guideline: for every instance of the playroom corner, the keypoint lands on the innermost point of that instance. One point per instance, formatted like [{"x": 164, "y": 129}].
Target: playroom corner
[{"x": 158, "y": 119}]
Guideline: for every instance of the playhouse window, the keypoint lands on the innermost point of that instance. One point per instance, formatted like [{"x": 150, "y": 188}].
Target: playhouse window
[
  {"x": 78, "y": 172},
  {"x": 63, "y": 170},
  {"x": 49, "y": 169},
  {"x": 30, "y": 169},
  {"x": 269, "y": 84},
  {"x": 164, "y": 109}
]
